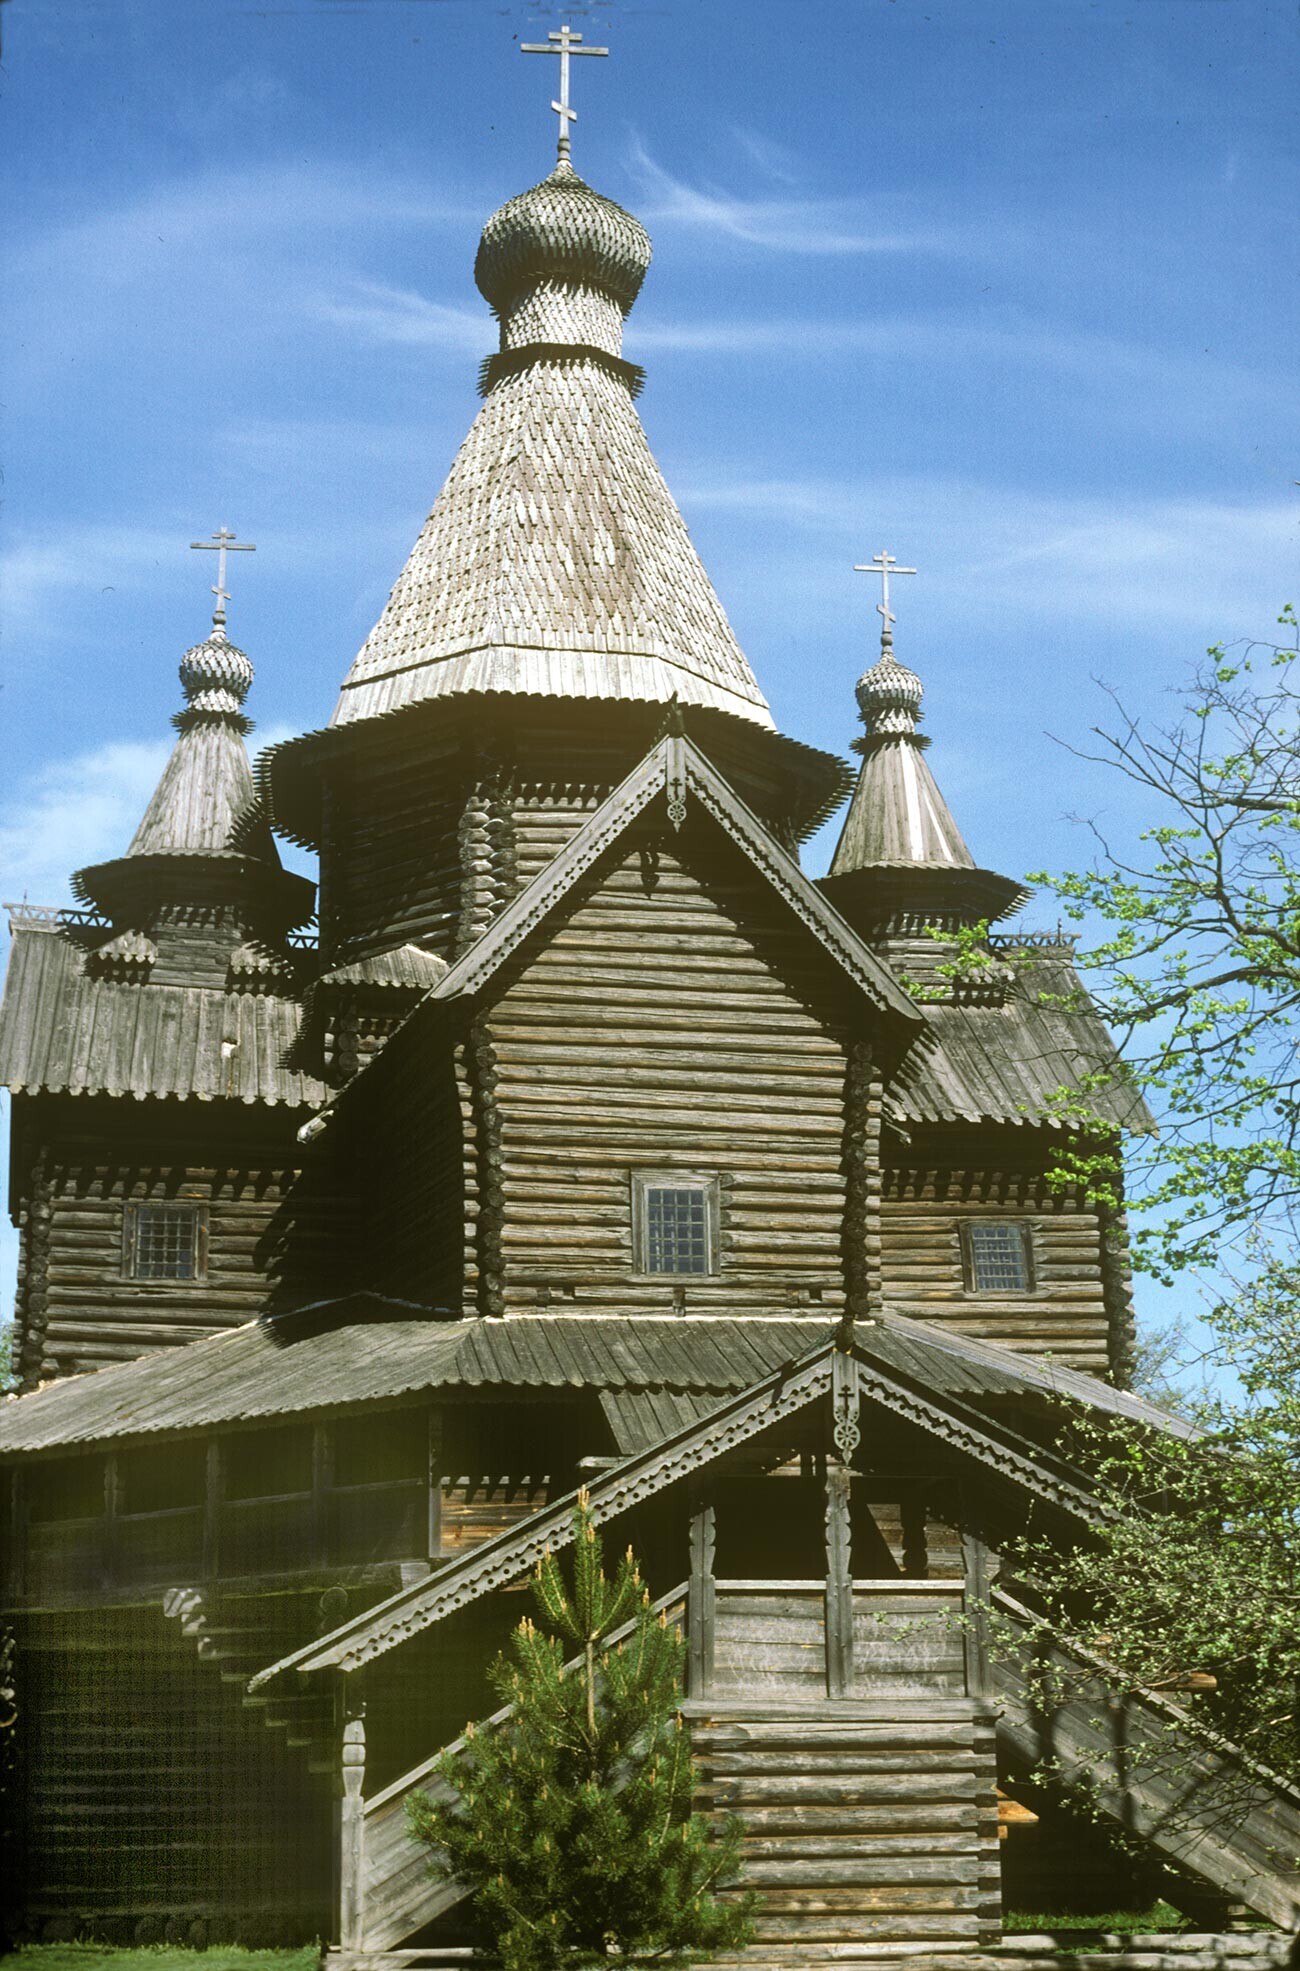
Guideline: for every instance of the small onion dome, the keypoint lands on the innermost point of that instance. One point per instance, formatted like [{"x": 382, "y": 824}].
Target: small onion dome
[
  {"x": 561, "y": 230},
  {"x": 889, "y": 697},
  {"x": 215, "y": 675}
]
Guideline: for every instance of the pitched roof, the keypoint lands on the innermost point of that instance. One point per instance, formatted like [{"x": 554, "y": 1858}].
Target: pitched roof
[
  {"x": 654, "y": 1374},
  {"x": 1028, "y": 1060},
  {"x": 370, "y": 1350},
  {"x": 68, "y": 1026},
  {"x": 687, "y": 1447},
  {"x": 678, "y": 771},
  {"x": 554, "y": 560}
]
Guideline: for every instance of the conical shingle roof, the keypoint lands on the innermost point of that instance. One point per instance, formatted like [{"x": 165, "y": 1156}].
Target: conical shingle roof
[
  {"x": 901, "y": 856},
  {"x": 554, "y": 561},
  {"x": 203, "y": 810}
]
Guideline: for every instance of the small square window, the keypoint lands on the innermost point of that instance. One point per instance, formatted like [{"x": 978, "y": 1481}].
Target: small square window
[
  {"x": 165, "y": 1242},
  {"x": 675, "y": 1223},
  {"x": 998, "y": 1256}
]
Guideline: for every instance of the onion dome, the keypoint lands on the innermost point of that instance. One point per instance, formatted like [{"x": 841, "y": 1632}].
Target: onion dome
[
  {"x": 901, "y": 863},
  {"x": 561, "y": 230},
  {"x": 202, "y": 835},
  {"x": 215, "y": 677}
]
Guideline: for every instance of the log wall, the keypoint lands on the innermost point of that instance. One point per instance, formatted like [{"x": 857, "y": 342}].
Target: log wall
[
  {"x": 958, "y": 1176},
  {"x": 272, "y": 1235},
  {"x": 876, "y": 1827},
  {"x": 671, "y": 1020}
]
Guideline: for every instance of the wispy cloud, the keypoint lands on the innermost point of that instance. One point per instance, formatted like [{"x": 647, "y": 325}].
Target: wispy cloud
[
  {"x": 397, "y": 315},
  {"x": 38, "y": 573},
  {"x": 779, "y": 225},
  {"x": 775, "y": 159},
  {"x": 1200, "y": 384},
  {"x": 995, "y": 552},
  {"x": 74, "y": 812},
  {"x": 79, "y": 810}
]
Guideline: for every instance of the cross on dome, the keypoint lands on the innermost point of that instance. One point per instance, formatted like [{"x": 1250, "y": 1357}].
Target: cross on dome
[
  {"x": 222, "y": 540},
  {"x": 563, "y": 42},
  {"x": 883, "y": 564}
]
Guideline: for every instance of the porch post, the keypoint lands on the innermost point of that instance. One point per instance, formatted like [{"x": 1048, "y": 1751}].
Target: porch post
[
  {"x": 839, "y": 1543},
  {"x": 351, "y": 1826},
  {"x": 702, "y": 1597}
]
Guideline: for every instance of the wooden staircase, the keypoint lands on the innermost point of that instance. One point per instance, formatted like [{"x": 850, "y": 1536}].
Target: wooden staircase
[
  {"x": 872, "y": 1823},
  {"x": 1205, "y": 1808},
  {"x": 237, "y": 1650},
  {"x": 867, "y": 1823}
]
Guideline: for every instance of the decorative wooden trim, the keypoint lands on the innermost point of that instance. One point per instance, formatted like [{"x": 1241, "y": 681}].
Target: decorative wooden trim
[
  {"x": 785, "y": 875},
  {"x": 481, "y": 1063},
  {"x": 846, "y": 1404},
  {"x": 351, "y": 1811},
  {"x": 680, "y": 759},
  {"x": 963, "y": 1430},
  {"x": 512, "y": 1554},
  {"x": 839, "y": 1582}
]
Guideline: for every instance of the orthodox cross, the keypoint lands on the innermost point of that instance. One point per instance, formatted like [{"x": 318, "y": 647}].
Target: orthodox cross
[
  {"x": 222, "y": 540},
  {"x": 562, "y": 42},
  {"x": 884, "y": 565}
]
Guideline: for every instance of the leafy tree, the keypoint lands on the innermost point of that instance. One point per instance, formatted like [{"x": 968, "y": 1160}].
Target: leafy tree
[
  {"x": 1200, "y": 975},
  {"x": 570, "y": 1821},
  {"x": 1196, "y": 1565},
  {"x": 1196, "y": 1568}
]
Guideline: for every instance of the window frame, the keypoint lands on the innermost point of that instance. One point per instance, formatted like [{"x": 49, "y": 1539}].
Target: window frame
[
  {"x": 970, "y": 1282},
  {"x": 130, "y": 1241},
  {"x": 644, "y": 1181}
]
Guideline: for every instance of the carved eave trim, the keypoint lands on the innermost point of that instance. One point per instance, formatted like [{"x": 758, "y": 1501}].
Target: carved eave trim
[
  {"x": 512, "y": 1554},
  {"x": 676, "y": 768}
]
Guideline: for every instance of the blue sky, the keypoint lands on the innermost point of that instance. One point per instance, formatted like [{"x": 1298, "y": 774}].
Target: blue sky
[{"x": 1008, "y": 287}]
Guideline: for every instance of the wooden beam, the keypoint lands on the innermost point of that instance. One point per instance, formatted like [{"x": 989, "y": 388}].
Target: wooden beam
[
  {"x": 351, "y": 1825},
  {"x": 839, "y": 1582},
  {"x": 702, "y": 1601}
]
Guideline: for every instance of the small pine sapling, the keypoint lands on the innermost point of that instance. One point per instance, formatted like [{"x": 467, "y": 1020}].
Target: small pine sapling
[{"x": 570, "y": 1821}]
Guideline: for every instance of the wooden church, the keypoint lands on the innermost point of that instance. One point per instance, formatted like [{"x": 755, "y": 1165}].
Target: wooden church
[{"x": 591, "y": 1143}]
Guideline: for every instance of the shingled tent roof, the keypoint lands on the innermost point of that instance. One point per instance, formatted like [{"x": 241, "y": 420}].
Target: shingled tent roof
[
  {"x": 203, "y": 812},
  {"x": 554, "y": 560}
]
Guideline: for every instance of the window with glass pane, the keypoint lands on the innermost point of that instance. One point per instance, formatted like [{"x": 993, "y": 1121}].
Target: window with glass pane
[
  {"x": 998, "y": 1256},
  {"x": 164, "y": 1242},
  {"x": 676, "y": 1225}
]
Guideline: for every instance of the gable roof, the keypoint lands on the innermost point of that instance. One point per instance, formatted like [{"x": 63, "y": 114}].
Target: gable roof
[
  {"x": 677, "y": 769},
  {"x": 685, "y": 1450}
]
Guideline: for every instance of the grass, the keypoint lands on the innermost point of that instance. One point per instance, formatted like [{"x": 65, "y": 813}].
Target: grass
[
  {"x": 163, "y": 1957},
  {"x": 1161, "y": 1916}
]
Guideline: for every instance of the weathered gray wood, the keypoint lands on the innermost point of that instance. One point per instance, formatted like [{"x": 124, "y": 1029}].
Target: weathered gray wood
[
  {"x": 702, "y": 1605},
  {"x": 351, "y": 1848},
  {"x": 839, "y": 1583}
]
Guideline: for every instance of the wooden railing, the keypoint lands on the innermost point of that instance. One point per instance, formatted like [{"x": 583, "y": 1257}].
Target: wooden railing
[
  {"x": 1201, "y": 1802},
  {"x": 388, "y": 1888}
]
